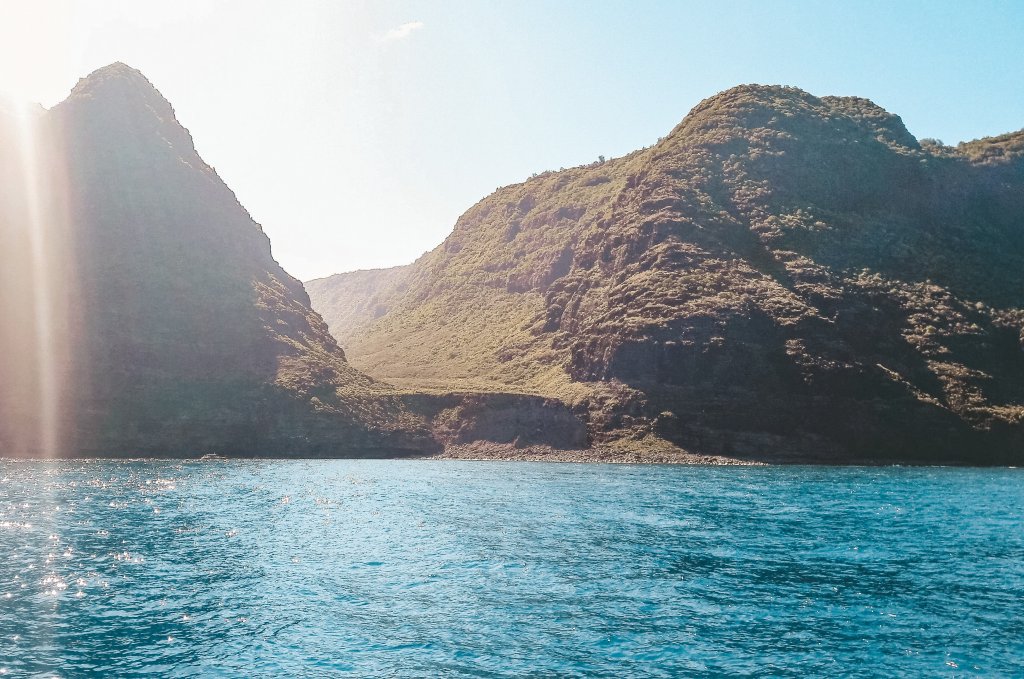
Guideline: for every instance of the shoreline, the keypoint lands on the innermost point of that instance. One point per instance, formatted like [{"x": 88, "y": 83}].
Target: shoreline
[
  {"x": 502, "y": 452},
  {"x": 488, "y": 451}
]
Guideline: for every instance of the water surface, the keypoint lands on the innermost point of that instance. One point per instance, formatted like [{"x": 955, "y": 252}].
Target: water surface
[{"x": 420, "y": 568}]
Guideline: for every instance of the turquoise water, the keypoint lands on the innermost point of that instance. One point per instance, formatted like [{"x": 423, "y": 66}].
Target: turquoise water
[{"x": 426, "y": 568}]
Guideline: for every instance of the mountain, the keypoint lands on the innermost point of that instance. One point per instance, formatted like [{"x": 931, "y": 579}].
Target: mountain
[
  {"x": 358, "y": 298},
  {"x": 143, "y": 312},
  {"x": 783, "y": 277}
]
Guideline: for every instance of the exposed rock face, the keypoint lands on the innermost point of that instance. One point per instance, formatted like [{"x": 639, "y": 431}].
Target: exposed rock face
[
  {"x": 783, "y": 275},
  {"x": 517, "y": 420},
  {"x": 177, "y": 331}
]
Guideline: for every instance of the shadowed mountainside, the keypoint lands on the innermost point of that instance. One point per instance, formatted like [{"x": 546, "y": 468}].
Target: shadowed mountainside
[
  {"x": 782, "y": 276},
  {"x": 174, "y": 331}
]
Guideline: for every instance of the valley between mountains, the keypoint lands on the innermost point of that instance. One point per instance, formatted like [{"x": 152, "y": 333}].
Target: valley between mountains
[{"x": 781, "y": 278}]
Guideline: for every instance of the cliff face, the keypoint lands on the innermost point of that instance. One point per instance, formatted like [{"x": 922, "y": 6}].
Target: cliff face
[
  {"x": 173, "y": 330},
  {"x": 781, "y": 275}
]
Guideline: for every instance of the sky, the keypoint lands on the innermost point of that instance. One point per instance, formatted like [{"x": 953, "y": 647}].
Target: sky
[{"x": 357, "y": 132}]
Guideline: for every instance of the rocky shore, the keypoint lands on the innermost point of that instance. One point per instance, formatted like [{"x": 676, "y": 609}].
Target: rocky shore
[{"x": 504, "y": 452}]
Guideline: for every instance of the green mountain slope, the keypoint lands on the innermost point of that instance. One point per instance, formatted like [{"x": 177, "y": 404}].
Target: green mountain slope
[{"x": 781, "y": 276}]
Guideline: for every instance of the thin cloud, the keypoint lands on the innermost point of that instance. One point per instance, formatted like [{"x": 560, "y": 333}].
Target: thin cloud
[{"x": 401, "y": 32}]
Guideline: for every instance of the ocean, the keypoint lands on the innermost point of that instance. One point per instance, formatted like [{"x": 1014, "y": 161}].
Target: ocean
[{"x": 479, "y": 569}]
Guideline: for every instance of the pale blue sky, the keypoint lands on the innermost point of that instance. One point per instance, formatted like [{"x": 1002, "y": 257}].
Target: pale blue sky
[{"x": 357, "y": 132}]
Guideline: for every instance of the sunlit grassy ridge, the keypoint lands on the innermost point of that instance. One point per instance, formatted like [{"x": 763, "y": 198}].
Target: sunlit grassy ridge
[{"x": 781, "y": 273}]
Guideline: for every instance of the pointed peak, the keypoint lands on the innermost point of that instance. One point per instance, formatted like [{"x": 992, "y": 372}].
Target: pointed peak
[
  {"x": 121, "y": 100},
  {"x": 118, "y": 67},
  {"x": 117, "y": 76}
]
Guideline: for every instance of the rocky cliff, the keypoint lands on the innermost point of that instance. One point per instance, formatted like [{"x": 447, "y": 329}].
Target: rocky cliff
[
  {"x": 143, "y": 312},
  {"x": 783, "y": 276}
]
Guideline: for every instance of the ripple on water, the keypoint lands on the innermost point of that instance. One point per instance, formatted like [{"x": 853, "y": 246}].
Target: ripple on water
[{"x": 474, "y": 569}]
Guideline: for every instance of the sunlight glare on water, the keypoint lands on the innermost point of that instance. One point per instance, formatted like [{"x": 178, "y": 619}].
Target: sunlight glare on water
[{"x": 390, "y": 568}]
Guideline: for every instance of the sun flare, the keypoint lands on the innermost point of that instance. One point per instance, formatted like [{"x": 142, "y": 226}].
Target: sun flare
[
  {"x": 41, "y": 268},
  {"x": 35, "y": 270}
]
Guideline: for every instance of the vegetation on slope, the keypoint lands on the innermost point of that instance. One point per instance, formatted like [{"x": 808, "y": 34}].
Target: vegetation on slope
[{"x": 782, "y": 274}]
